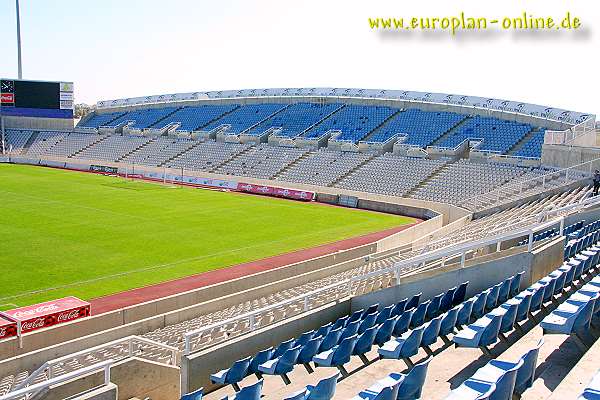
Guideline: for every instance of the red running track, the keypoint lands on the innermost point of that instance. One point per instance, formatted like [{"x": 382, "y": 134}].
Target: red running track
[{"x": 135, "y": 296}]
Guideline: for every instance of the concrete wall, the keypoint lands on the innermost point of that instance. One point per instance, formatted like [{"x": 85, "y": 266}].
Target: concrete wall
[
  {"x": 409, "y": 235},
  {"x": 108, "y": 392},
  {"x": 38, "y": 123},
  {"x": 562, "y": 156},
  {"x": 196, "y": 369},
  {"x": 133, "y": 377}
]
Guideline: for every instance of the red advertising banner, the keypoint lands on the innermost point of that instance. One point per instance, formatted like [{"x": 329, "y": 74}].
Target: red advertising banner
[
  {"x": 49, "y": 313},
  {"x": 276, "y": 191},
  {"x": 7, "y": 98},
  {"x": 7, "y": 328}
]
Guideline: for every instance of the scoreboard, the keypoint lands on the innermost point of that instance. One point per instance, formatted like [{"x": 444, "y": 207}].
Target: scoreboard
[{"x": 21, "y": 98}]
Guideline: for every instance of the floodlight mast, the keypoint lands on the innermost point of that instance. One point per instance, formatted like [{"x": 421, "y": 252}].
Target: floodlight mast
[{"x": 20, "y": 66}]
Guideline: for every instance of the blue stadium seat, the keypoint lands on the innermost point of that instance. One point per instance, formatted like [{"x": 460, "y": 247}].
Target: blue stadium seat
[
  {"x": 403, "y": 322},
  {"x": 323, "y": 390},
  {"x": 480, "y": 333},
  {"x": 460, "y": 294},
  {"x": 232, "y": 375},
  {"x": 404, "y": 346},
  {"x": 338, "y": 355},
  {"x": 282, "y": 364},
  {"x": 472, "y": 390},
  {"x": 195, "y": 395},
  {"x": 308, "y": 351},
  {"x": 501, "y": 373},
  {"x": 386, "y": 330},
  {"x": 526, "y": 373},
  {"x": 251, "y": 392}
]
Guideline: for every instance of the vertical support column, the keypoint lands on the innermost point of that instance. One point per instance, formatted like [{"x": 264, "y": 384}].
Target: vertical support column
[{"x": 530, "y": 241}]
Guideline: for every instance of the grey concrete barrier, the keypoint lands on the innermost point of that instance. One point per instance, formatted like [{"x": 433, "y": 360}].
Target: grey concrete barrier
[{"x": 24, "y": 160}]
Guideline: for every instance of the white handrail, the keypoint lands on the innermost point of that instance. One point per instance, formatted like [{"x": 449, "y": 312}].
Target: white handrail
[
  {"x": 188, "y": 336},
  {"x": 128, "y": 341},
  {"x": 474, "y": 202},
  {"x": 443, "y": 253},
  {"x": 36, "y": 388}
]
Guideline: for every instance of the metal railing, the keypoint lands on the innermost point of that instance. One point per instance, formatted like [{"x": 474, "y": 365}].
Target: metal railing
[
  {"x": 344, "y": 287},
  {"x": 32, "y": 390},
  {"x": 568, "y": 136},
  {"x": 515, "y": 190},
  {"x": 131, "y": 344},
  {"x": 252, "y": 316}
]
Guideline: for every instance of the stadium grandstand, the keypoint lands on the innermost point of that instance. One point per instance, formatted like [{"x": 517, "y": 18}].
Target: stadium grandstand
[{"x": 492, "y": 291}]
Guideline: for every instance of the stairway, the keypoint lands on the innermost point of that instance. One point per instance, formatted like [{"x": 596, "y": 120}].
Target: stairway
[
  {"x": 292, "y": 164},
  {"x": 425, "y": 181},
  {"x": 29, "y": 142},
  {"x": 88, "y": 146},
  {"x": 165, "y": 117},
  {"x": 235, "y": 156},
  {"x": 378, "y": 127},
  {"x": 198, "y": 128},
  {"x": 449, "y": 132},
  {"x": 517, "y": 146},
  {"x": 162, "y": 164},
  {"x": 152, "y": 140},
  {"x": 351, "y": 171}
]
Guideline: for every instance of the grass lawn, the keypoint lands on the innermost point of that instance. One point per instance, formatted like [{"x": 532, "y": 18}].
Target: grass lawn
[{"x": 69, "y": 233}]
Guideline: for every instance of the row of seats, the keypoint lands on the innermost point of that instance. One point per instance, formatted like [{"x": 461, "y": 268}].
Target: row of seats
[
  {"x": 497, "y": 135},
  {"x": 421, "y": 128},
  {"x": 142, "y": 119},
  {"x": 244, "y": 117},
  {"x": 194, "y": 118},
  {"x": 499, "y": 379},
  {"x": 295, "y": 119},
  {"x": 354, "y": 122}
]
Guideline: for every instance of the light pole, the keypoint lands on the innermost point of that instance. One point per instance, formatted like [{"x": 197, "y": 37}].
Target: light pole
[{"x": 19, "y": 41}]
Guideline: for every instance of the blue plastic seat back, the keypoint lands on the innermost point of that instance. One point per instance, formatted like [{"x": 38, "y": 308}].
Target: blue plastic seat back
[
  {"x": 509, "y": 318},
  {"x": 384, "y": 314},
  {"x": 460, "y": 294},
  {"x": 356, "y": 316},
  {"x": 282, "y": 348},
  {"x": 371, "y": 309},
  {"x": 399, "y": 307},
  {"x": 478, "y": 309},
  {"x": 309, "y": 350},
  {"x": 523, "y": 307},
  {"x": 344, "y": 350},
  {"x": 385, "y": 331},
  {"x": 446, "y": 302},
  {"x": 464, "y": 312},
  {"x": 387, "y": 393},
  {"x": 195, "y": 395},
  {"x": 325, "y": 389},
  {"x": 332, "y": 338},
  {"x": 560, "y": 282},
  {"x": 414, "y": 301},
  {"x": 251, "y": 392},
  {"x": 526, "y": 373},
  {"x": 504, "y": 291},
  {"x": 419, "y": 315},
  {"x": 412, "y": 385},
  {"x": 324, "y": 330},
  {"x": 537, "y": 298},
  {"x": 449, "y": 321},
  {"x": 341, "y": 322},
  {"x": 584, "y": 316},
  {"x": 260, "y": 358},
  {"x": 403, "y": 322},
  {"x": 492, "y": 297},
  {"x": 413, "y": 342},
  {"x": 287, "y": 360},
  {"x": 367, "y": 322},
  {"x": 505, "y": 385},
  {"x": 299, "y": 395},
  {"x": 238, "y": 370},
  {"x": 549, "y": 290},
  {"x": 515, "y": 284},
  {"x": 490, "y": 332},
  {"x": 434, "y": 306},
  {"x": 431, "y": 331},
  {"x": 365, "y": 341},
  {"x": 350, "y": 329},
  {"x": 304, "y": 338}
]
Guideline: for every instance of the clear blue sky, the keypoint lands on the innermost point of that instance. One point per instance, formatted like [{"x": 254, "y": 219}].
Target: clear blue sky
[{"x": 113, "y": 49}]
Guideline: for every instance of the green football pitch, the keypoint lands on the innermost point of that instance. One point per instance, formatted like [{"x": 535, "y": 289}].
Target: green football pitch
[{"x": 68, "y": 233}]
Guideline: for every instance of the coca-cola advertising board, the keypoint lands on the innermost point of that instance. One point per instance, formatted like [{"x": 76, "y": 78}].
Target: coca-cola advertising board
[
  {"x": 276, "y": 191},
  {"x": 7, "y": 328},
  {"x": 46, "y": 314}
]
